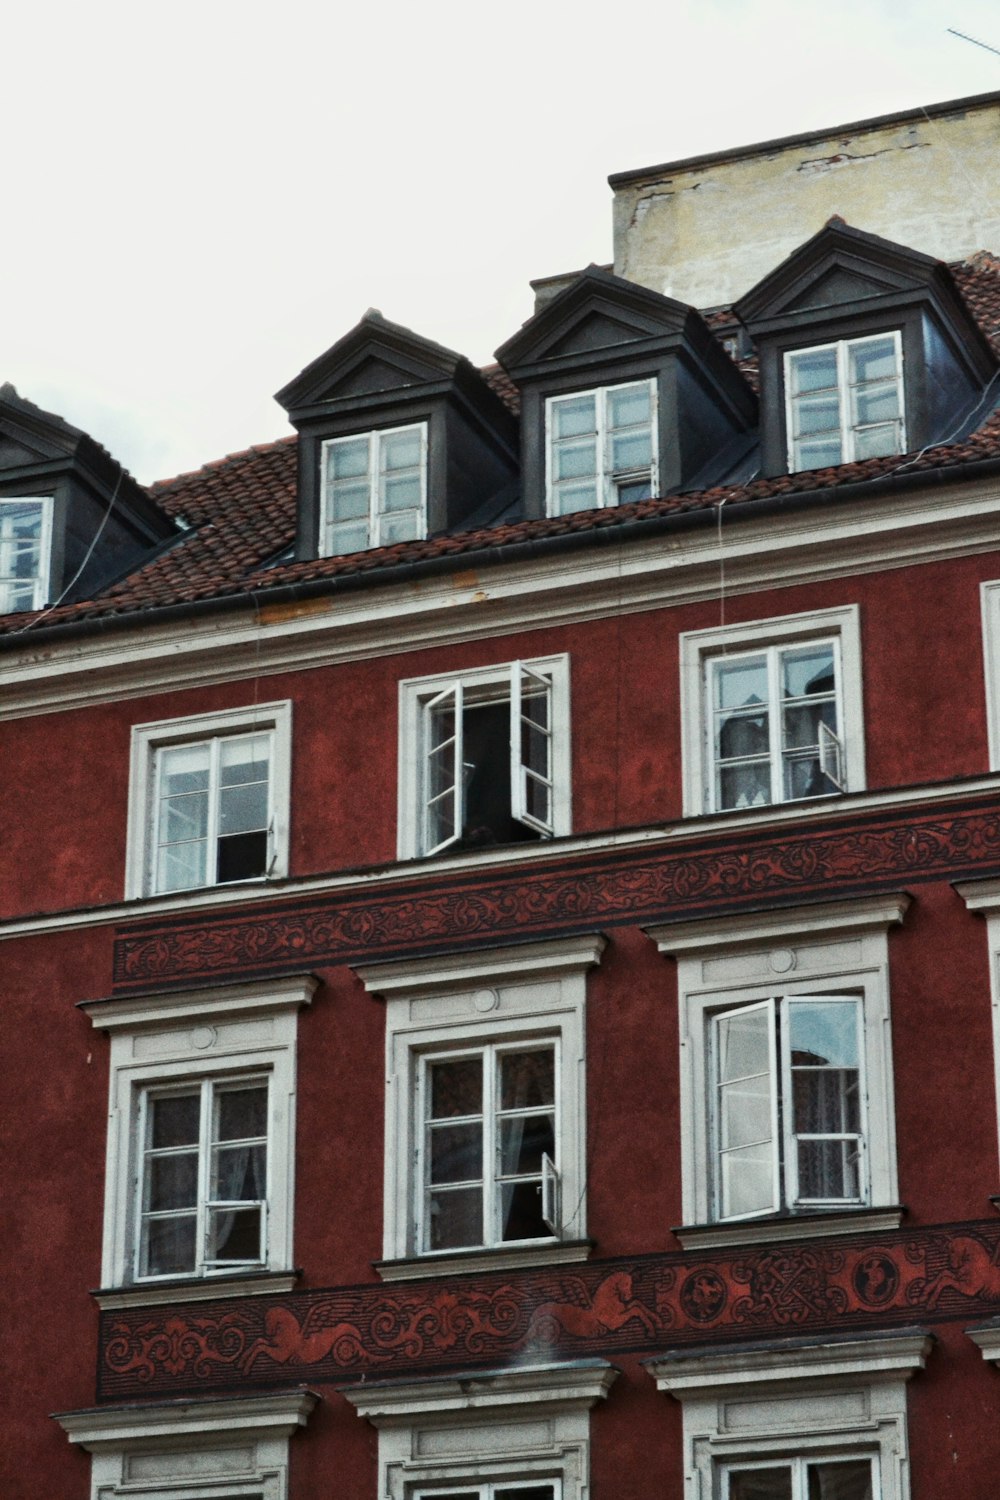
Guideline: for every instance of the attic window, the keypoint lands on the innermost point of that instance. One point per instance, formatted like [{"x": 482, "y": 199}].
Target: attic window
[
  {"x": 374, "y": 489},
  {"x": 844, "y": 401},
  {"x": 600, "y": 447},
  {"x": 25, "y": 545}
]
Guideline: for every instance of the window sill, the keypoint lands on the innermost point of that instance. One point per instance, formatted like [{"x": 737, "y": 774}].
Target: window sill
[
  {"x": 195, "y": 1289},
  {"x": 547, "y": 1252},
  {"x": 805, "y": 1226}
]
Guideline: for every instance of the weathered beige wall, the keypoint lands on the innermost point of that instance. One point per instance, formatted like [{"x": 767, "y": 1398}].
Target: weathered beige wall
[{"x": 706, "y": 234}]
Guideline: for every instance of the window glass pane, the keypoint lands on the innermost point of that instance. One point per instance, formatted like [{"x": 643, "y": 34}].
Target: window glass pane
[
  {"x": 524, "y": 1492},
  {"x": 181, "y": 867},
  {"x": 628, "y": 406},
  {"x": 821, "y": 454},
  {"x": 456, "y": 1153},
  {"x": 169, "y": 1246},
  {"x": 573, "y": 417},
  {"x": 244, "y": 759},
  {"x": 404, "y": 527},
  {"x": 575, "y": 460},
  {"x": 174, "y": 1120},
  {"x": 521, "y": 1212},
  {"x": 631, "y": 451},
  {"x": 808, "y": 671},
  {"x": 347, "y": 460},
  {"x": 745, "y": 786},
  {"x": 743, "y": 735},
  {"x": 824, "y": 1032},
  {"x": 401, "y": 450},
  {"x": 761, "y": 1484},
  {"x": 523, "y": 1140},
  {"x": 184, "y": 769},
  {"x": 635, "y": 489},
  {"x": 527, "y": 1079},
  {"x": 841, "y": 1481},
  {"x": 744, "y": 1045},
  {"x": 349, "y": 502},
  {"x": 829, "y": 1169},
  {"x": 172, "y": 1181},
  {"x": 872, "y": 359},
  {"x": 239, "y": 1173},
  {"x": 456, "y": 1218},
  {"x": 243, "y": 808},
  {"x": 747, "y": 1181},
  {"x": 816, "y": 414},
  {"x": 877, "y": 403},
  {"x": 183, "y": 818},
  {"x": 241, "y": 856},
  {"x": 741, "y": 683},
  {"x": 570, "y": 498},
  {"x": 456, "y": 1088},
  {"x": 401, "y": 492},
  {"x": 342, "y": 540},
  {"x": 877, "y": 442},
  {"x": 241, "y": 1114},
  {"x": 802, "y": 724},
  {"x": 234, "y": 1234},
  {"x": 815, "y": 371}
]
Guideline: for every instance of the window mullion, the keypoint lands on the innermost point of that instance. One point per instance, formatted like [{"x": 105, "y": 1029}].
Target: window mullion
[
  {"x": 214, "y": 811},
  {"x": 603, "y": 446},
  {"x": 789, "y": 1141},
  {"x": 205, "y": 1128},
  {"x": 493, "y": 1229},
  {"x": 374, "y": 514},
  {"x": 142, "y": 1135},
  {"x": 844, "y": 394}
]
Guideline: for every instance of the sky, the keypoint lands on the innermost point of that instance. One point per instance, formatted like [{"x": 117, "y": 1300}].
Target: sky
[{"x": 200, "y": 198}]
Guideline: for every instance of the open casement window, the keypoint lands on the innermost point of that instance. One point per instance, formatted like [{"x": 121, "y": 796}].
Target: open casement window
[
  {"x": 488, "y": 761},
  {"x": 774, "y": 719},
  {"x": 488, "y": 1146},
  {"x": 844, "y": 401},
  {"x": 203, "y": 1177},
  {"x": 374, "y": 489},
  {"x": 801, "y": 1479},
  {"x": 788, "y": 1106},
  {"x": 213, "y": 812},
  {"x": 602, "y": 447},
  {"x": 25, "y": 545}
]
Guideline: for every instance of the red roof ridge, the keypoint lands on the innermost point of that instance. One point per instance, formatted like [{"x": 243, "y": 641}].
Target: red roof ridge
[{"x": 228, "y": 458}]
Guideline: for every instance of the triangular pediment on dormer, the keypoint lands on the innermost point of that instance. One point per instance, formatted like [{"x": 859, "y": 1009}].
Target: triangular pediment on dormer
[
  {"x": 377, "y": 358},
  {"x": 597, "y": 312},
  {"x": 839, "y": 268},
  {"x": 29, "y": 435}
]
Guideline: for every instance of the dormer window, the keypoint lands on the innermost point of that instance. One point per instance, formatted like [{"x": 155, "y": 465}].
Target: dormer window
[
  {"x": 25, "y": 545},
  {"x": 600, "y": 447},
  {"x": 374, "y": 489},
  {"x": 845, "y": 401}
]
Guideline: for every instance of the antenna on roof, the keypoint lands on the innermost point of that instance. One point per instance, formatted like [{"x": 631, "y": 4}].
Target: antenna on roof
[{"x": 962, "y": 37}]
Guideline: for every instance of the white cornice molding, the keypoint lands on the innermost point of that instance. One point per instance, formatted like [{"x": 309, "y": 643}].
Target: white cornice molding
[
  {"x": 475, "y": 1262},
  {"x": 203, "y": 1422},
  {"x": 986, "y": 1337},
  {"x": 259, "y": 638},
  {"x": 981, "y": 895},
  {"x": 875, "y": 1356},
  {"x": 496, "y": 965},
  {"x": 814, "y": 921},
  {"x": 241, "y": 899},
  {"x": 204, "y": 1289},
  {"x": 492, "y": 1393},
  {"x": 797, "y": 1227},
  {"x": 204, "y": 1006}
]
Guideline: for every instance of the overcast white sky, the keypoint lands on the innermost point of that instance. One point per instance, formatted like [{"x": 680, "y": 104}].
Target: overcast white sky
[{"x": 201, "y": 197}]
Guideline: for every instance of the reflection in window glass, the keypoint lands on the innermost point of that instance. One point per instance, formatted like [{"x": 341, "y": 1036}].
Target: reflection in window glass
[
  {"x": 601, "y": 450},
  {"x": 844, "y": 401},
  {"x": 373, "y": 490},
  {"x": 23, "y": 553}
]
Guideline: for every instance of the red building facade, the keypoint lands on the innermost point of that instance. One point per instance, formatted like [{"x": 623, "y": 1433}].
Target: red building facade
[{"x": 501, "y": 914}]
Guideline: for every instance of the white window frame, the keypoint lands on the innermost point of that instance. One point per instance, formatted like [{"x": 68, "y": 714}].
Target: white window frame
[
  {"x": 492, "y": 1427},
  {"x": 209, "y": 1449},
  {"x": 842, "y": 347},
  {"x": 833, "y": 948},
  {"x": 230, "y": 1033},
  {"x": 796, "y": 1399},
  {"x": 150, "y": 738},
  {"x": 43, "y": 579},
  {"x": 700, "y": 648},
  {"x": 534, "y": 992},
  {"x": 990, "y": 601},
  {"x": 501, "y": 683},
  {"x": 376, "y": 514},
  {"x": 606, "y": 481},
  {"x": 983, "y": 897}
]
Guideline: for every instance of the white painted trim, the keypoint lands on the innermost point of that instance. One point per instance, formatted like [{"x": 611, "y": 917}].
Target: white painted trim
[
  {"x": 374, "y": 436},
  {"x": 537, "y": 991},
  {"x": 214, "y": 1033},
  {"x": 472, "y": 1262},
  {"x": 187, "y": 1450},
  {"x": 415, "y": 696},
  {"x": 699, "y": 647},
  {"x": 149, "y": 738},
  {"x": 207, "y": 1418},
  {"x": 739, "y": 1365},
  {"x": 154, "y": 1294},
  {"x": 794, "y": 1399},
  {"x": 848, "y": 430},
  {"x": 604, "y": 477},
  {"x": 43, "y": 582},
  {"x": 832, "y": 947},
  {"x": 257, "y": 638},
  {"x": 983, "y": 896},
  {"x": 793, "y": 1228},
  {"x": 989, "y": 594},
  {"x": 986, "y": 1337},
  {"x": 531, "y": 1423}
]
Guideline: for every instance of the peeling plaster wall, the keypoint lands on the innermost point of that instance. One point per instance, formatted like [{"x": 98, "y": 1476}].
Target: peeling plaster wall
[{"x": 707, "y": 233}]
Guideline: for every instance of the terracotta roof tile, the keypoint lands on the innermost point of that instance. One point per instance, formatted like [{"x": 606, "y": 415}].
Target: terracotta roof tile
[{"x": 240, "y": 510}]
